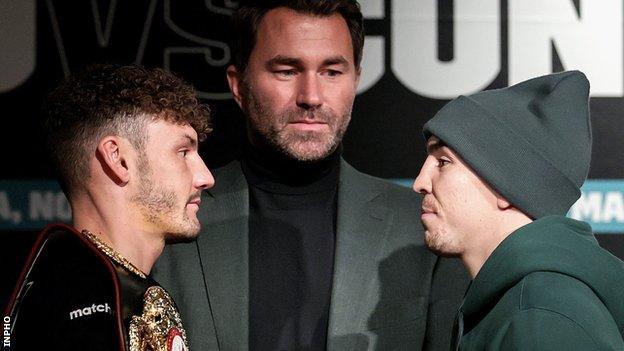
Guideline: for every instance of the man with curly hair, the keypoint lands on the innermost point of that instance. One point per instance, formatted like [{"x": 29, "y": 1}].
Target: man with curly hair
[{"x": 125, "y": 140}]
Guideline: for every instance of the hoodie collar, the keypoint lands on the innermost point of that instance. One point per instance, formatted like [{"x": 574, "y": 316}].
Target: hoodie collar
[{"x": 552, "y": 243}]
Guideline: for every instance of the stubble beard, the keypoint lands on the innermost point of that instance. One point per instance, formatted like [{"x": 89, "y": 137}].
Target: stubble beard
[
  {"x": 272, "y": 128},
  {"x": 440, "y": 242},
  {"x": 161, "y": 207}
]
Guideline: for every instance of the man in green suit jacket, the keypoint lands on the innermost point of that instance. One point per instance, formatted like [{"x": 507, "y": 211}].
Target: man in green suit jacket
[{"x": 299, "y": 251}]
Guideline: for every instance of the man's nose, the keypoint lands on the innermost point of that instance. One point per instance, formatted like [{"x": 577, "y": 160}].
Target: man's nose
[
  {"x": 203, "y": 177},
  {"x": 422, "y": 184},
  {"x": 310, "y": 95}
]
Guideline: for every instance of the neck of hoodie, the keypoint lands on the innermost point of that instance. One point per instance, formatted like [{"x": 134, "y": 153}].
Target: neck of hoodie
[{"x": 551, "y": 243}]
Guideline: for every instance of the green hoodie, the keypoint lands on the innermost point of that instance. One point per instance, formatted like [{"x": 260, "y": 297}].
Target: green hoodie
[{"x": 547, "y": 286}]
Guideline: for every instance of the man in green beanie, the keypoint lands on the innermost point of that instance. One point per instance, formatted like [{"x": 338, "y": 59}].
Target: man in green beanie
[{"x": 503, "y": 168}]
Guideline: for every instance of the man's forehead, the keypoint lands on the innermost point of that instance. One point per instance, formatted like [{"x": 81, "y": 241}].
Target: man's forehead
[
  {"x": 167, "y": 129},
  {"x": 290, "y": 31}
]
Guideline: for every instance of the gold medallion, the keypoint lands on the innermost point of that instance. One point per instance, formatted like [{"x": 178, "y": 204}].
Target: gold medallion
[{"x": 159, "y": 327}]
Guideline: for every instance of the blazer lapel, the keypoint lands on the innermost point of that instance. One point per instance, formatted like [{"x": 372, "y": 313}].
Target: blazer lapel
[
  {"x": 223, "y": 251},
  {"x": 361, "y": 227}
]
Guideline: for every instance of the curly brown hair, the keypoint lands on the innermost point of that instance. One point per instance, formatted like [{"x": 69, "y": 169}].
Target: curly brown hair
[{"x": 113, "y": 99}]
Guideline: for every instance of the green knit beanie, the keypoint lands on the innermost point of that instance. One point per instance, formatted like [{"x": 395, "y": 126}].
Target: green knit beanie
[{"x": 531, "y": 141}]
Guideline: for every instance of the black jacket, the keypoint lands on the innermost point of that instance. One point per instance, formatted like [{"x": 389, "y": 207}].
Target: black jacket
[{"x": 71, "y": 296}]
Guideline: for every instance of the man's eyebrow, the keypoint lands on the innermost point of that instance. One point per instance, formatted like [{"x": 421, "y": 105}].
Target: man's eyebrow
[
  {"x": 295, "y": 62},
  {"x": 284, "y": 60},
  {"x": 190, "y": 140},
  {"x": 435, "y": 145},
  {"x": 335, "y": 60}
]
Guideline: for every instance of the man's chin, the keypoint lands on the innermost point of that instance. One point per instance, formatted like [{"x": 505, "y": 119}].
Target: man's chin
[
  {"x": 308, "y": 150},
  {"x": 435, "y": 245}
]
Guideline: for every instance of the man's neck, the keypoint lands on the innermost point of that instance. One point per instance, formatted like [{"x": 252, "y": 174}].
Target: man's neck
[
  {"x": 113, "y": 225},
  {"x": 476, "y": 255},
  {"x": 273, "y": 166}
]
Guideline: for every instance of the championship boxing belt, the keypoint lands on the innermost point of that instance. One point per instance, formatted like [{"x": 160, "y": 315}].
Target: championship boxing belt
[{"x": 67, "y": 271}]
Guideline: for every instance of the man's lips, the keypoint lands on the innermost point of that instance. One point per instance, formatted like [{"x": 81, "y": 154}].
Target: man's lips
[
  {"x": 428, "y": 207},
  {"x": 195, "y": 202},
  {"x": 308, "y": 121},
  {"x": 427, "y": 211},
  {"x": 308, "y": 124}
]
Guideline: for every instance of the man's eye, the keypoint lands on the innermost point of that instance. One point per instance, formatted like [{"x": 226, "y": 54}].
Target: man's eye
[
  {"x": 333, "y": 73},
  {"x": 286, "y": 73},
  {"x": 183, "y": 152},
  {"x": 442, "y": 162}
]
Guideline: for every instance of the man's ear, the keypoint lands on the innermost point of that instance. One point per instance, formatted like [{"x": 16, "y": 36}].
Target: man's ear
[
  {"x": 235, "y": 80},
  {"x": 112, "y": 159}
]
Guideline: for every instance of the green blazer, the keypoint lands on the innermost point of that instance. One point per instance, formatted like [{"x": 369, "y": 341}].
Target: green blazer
[{"x": 389, "y": 292}]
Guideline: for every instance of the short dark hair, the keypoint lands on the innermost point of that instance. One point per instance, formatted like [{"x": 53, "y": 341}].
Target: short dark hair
[
  {"x": 113, "y": 99},
  {"x": 246, "y": 20}
]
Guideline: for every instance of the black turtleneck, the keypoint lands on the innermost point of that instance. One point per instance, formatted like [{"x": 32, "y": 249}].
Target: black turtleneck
[{"x": 292, "y": 226}]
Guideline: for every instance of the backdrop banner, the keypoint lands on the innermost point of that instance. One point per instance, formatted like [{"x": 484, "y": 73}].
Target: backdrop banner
[{"x": 418, "y": 55}]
